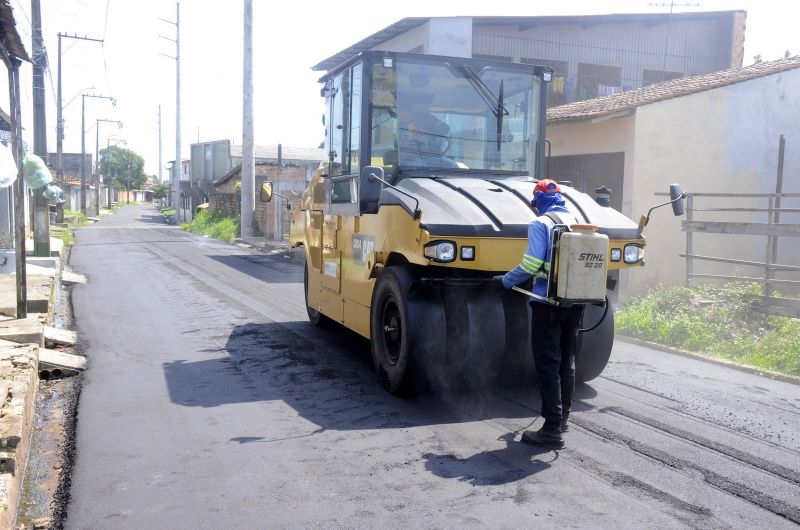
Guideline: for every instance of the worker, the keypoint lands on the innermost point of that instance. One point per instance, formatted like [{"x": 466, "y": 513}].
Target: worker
[{"x": 554, "y": 329}]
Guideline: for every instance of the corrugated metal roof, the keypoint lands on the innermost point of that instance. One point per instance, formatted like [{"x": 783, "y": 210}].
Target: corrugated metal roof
[
  {"x": 10, "y": 36},
  {"x": 524, "y": 23},
  {"x": 289, "y": 154},
  {"x": 607, "y": 105},
  {"x": 389, "y": 32}
]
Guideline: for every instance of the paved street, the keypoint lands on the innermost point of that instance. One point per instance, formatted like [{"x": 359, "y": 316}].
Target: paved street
[{"x": 210, "y": 402}]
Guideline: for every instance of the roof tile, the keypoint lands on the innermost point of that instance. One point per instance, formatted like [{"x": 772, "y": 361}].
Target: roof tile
[{"x": 607, "y": 105}]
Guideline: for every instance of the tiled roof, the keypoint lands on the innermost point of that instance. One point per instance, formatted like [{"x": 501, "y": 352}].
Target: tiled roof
[{"x": 607, "y": 105}]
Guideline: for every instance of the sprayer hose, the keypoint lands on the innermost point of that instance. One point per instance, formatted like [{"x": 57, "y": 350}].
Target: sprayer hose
[{"x": 602, "y": 318}]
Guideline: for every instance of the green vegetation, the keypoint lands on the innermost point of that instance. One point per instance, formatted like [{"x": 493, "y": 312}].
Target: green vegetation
[
  {"x": 67, "y": 237},
  {"x": 215, "y": 224},
  {"x": 168, "y": 211},
  {"x": 722, "y": 321},
  {"x": 124, "y": 168},
  {"x": 75, "y": 218}
]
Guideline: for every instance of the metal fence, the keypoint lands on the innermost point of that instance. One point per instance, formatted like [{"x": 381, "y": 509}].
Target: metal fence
[{"x": 773, "y": 230}]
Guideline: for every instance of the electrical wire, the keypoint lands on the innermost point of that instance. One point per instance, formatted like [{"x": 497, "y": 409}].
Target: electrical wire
[{"x": 105, "y": 26}]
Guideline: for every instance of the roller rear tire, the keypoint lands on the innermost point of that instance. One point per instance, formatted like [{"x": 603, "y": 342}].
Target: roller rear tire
[
  {"x": 594, "y": 347},
  {"x": 390, "y": 331}
]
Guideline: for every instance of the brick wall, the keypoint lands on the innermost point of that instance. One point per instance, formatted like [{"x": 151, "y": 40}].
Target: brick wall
[{"x": 289, "y": 181}]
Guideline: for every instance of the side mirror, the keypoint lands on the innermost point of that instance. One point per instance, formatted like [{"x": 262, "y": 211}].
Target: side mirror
[
  {"x": 266, "y": 192},
  {"x": 370, "y": 188},
  {"x": 677, "y": 197}
]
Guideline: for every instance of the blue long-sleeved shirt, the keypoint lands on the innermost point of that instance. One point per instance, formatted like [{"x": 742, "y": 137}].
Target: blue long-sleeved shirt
[{"x": 536, "y": 259}]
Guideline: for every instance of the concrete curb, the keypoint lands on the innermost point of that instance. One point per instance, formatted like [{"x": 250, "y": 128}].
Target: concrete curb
[{"x": 748, "y": 368}]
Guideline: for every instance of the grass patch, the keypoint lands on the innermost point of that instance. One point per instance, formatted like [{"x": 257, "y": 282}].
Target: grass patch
[
  {"x": 214, "y": 224},
  {"x": 67, "y": 237},
  {"x": 719, "y": 320},
  {"x": 75, "y": 218},
  {"x": 168, "y": 211}
]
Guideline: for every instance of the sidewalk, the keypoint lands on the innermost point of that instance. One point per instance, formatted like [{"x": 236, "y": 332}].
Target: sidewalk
[
  {"x": 22, "y": 342},
  {"x": 270, "y": 247}
]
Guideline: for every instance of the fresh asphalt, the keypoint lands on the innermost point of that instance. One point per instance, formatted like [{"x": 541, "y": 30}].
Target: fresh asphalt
[{"x": 210, "y": 402}]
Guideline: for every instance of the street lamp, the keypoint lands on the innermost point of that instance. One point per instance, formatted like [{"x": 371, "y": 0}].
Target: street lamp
[
  {"x": 97, "y": 157},
  {"x": 83, "y": 143}
]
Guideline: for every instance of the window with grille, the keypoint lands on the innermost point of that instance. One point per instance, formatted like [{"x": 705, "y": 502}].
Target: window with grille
[
  {"x": 559, "y": 89},
  {"x": 595, "y": 80}
]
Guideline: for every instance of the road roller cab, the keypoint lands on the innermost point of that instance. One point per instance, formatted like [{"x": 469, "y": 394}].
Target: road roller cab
[{"x": 424, "y": 198}]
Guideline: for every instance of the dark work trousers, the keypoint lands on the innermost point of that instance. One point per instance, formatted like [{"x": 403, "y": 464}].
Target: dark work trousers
[{"x": 554, "y": 341}]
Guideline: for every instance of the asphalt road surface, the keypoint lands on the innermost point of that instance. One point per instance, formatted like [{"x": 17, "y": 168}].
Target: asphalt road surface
[{"x": 210, "y": 402}]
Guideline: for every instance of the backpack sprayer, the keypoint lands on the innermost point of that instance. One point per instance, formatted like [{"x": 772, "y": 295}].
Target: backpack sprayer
[{"x": 578, "y": 267}]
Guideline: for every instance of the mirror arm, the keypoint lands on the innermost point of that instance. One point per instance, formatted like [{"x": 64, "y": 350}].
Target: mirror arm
[
  {"x": 417, "y": 211},
  {"x": 676, "y": 199},
  {"x": 285, "y": 198}
]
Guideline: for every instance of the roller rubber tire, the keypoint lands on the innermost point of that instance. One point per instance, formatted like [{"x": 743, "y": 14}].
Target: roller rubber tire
[
  {"x": 390, "y": 330},
  {"x": 594, "y": 347},
  {"x": 315, "y": 317}
]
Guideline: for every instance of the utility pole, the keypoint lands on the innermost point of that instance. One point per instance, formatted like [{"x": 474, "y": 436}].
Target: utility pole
[
  {"x": 97, "y": 158},
  {"x": 19, "y": 185},
  {"x": 41, "y": 210},
  {"x": 160, "y": 162},
  {"x": 176, "y": 167},
  {"x": 83, "y": 144},
  {"x": 248, "y": 158},
  {"x": 60, "y": 120}
]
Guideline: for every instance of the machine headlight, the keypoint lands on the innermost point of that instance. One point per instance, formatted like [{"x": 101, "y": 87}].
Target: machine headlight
[
  {"x": 616, "y": 254},
  {"x": 441, "y": 251},
  {"x": 468, "y": 253},
  {"x": 633, "y": 253}
]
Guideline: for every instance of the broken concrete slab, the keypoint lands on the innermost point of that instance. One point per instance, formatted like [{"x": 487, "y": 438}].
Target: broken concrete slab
[
  {"x": 59, "y": 337},
  {"x": 21, "y": 331},
  {"x": 39, "y": 291},
  {"x": 71, "y": 278},
  {"x": 18, "y": 371},
  {"x": 68, "y": 363}
]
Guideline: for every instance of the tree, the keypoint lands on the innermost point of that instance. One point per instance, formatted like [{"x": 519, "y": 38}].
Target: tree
[
  {"x": 160, "y": 190},
  {"x": 122, "y": 167}
]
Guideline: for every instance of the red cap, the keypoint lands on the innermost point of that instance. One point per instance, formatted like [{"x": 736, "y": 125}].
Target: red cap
[{"x": 547, "y": 186}]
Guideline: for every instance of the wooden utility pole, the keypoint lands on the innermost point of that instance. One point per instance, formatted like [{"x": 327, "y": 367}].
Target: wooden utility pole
[
  {"x": 248, "y": 154},
  {"x": 19, "y": 189}
]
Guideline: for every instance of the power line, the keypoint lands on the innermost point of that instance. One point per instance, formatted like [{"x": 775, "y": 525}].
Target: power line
[{"x": 105, "y": 26}]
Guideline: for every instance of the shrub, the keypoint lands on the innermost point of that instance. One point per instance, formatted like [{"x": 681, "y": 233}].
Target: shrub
[
  {"x": 721, "y": 320},
  {"x": 215, "y": 224}
]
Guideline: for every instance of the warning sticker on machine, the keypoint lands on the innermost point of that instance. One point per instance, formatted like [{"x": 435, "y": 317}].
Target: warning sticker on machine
[{"x": 362, "y": 248}]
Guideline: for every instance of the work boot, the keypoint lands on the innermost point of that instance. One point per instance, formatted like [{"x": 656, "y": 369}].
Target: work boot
[
  {"x": 544, "y": 437},
  {"x": 565, "y": 422}
]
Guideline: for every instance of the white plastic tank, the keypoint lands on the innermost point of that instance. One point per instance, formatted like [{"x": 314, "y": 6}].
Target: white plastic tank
[{"x": 582, "y": 264}]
